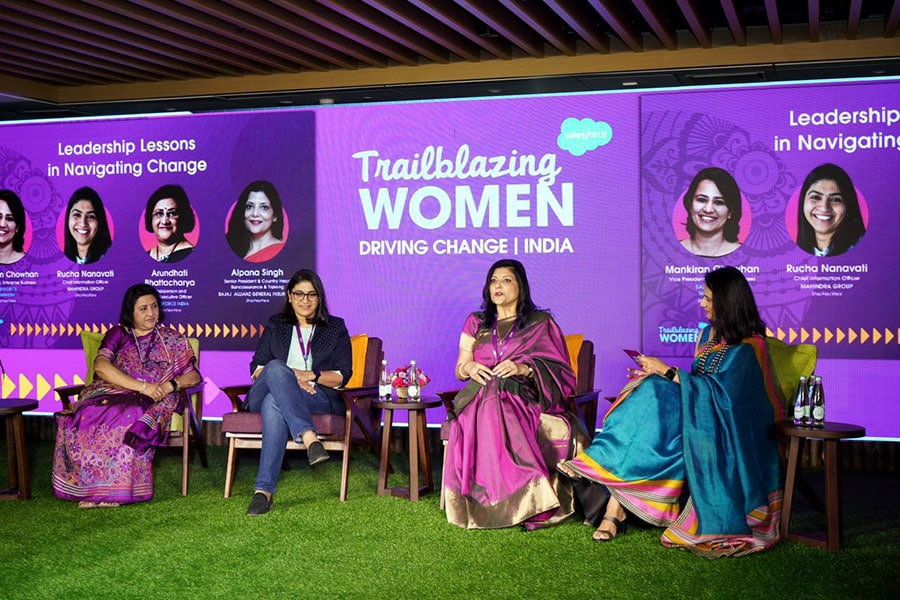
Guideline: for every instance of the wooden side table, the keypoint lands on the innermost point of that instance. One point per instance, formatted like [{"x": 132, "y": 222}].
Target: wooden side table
[
  {"x": 19, "y": 483},
  {"x": 417, "y": 446},
  {"x": 830, "y": 434}
]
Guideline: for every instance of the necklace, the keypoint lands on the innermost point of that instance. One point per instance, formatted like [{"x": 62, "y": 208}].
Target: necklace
[
  {"x": 137, "y": 344},
  {"x": 718, "y": 356},
  {"x": 499, "y": 344},
  {"x": 165, "y": 257}
]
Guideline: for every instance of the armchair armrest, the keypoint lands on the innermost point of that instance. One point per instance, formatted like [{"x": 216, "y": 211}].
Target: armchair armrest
[
  {"x": 66, "y": 393},
  {"x": 236, "y": 393},
  {"x": 367, "y": 419},
  {"x": 195, "y": 413},
  {"x": 447, "y": 398},
  {"x": 585, "y": 407}
]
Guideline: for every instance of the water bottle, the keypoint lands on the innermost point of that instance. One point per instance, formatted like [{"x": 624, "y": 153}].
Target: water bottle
[
  {"x": 412, "y": 389},
  {"x": 801, "y": 402},
  {"x": 384, "y": 383},
  {"x": 817, "y": 403}
]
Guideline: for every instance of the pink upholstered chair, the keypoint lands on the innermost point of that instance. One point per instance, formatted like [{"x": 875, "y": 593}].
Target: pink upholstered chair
[{"x": 243, "y": 429}]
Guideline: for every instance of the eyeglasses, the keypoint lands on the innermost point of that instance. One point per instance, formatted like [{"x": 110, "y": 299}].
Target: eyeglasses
[
  {"x": 171, "y": 213},
  {"x": 301, "y": 296}
]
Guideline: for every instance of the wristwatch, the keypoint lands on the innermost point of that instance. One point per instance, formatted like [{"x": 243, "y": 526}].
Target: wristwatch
[
  {"x": 671, "y": 373},
  {"x": 316, "y": 374},
  {"x": 174, "y": 385}
]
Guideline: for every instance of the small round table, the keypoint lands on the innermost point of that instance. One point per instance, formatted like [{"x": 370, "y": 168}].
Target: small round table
[
  {"x": 830, "y": 434},
  {"x": 418, "y": 445},
  {"x": 17, "y": 459}
]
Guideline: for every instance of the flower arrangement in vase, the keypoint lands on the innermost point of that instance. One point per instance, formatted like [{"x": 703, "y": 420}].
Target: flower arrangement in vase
[{"x": 400, "y": 380}]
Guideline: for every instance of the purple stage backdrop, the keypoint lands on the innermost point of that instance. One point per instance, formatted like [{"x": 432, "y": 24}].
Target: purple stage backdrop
[{"x": 402, "y": 208}]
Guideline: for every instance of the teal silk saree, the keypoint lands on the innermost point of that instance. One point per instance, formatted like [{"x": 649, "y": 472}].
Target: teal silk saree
[{"x": 712, "y": 436}]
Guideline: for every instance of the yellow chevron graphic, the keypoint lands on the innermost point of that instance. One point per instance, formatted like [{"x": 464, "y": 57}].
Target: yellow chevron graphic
[
  {"x": 25, "y": 386},
  {"x": 43, "y": 386},
  {"x": 839, "y": 335},
  {"x": 224, "y": 330},
  {"x": 6, "y": 386}
]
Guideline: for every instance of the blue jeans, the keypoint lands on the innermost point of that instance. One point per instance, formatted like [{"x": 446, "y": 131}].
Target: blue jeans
[{"x": 286, "y": 410}]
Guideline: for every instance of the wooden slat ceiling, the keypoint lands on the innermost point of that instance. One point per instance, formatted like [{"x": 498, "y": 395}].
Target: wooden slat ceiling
[{"x": 87, "y": 51}]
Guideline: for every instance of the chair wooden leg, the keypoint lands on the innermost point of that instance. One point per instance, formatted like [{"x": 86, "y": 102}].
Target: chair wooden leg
[
  {"x": 185, "y": 457},
  {"x": 229, "y": 467},
  {"x": 200, "y": 440},
  {"x": 345, "y": 473},
  {"x": 443, "y": 477}
]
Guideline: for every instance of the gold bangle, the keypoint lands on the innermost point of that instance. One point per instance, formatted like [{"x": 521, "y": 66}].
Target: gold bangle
[{"x": 460, "y": 372}]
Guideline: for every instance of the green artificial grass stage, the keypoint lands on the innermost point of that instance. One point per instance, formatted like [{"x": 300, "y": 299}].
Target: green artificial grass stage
[{"x": 312, "y": 546}]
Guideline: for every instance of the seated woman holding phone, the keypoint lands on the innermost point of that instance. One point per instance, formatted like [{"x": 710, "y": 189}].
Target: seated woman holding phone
[{"x": 709, "y": 426}]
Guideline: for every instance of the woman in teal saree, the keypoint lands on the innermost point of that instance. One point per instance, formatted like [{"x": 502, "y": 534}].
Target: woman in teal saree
[{"x": 708, "y": 431}]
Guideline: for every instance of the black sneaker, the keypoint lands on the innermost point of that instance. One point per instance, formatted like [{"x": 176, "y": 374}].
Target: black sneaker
[
  {"x": 316, "y": 453},
  {"x": 259, "y": 505}
]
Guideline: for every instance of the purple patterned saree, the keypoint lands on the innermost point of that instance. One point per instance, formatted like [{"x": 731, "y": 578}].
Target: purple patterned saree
[
  {"x": 104, "y": 449},
  {"x": 509, "y": 434}
]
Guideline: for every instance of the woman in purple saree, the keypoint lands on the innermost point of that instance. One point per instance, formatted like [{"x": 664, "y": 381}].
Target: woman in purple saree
[
  {"x": 510, "y": 422},
  {"x": 105, "y": 445}
]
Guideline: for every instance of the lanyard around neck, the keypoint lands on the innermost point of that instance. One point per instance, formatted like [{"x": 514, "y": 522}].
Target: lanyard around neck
[
  {"x": 305, "y": 348},
  {"x": 499, "y": 346}
]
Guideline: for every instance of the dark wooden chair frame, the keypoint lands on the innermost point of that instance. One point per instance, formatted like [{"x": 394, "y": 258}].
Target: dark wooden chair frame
[
  {"x": 244, "y": 429},
  {"x": 191, "y": 417}
]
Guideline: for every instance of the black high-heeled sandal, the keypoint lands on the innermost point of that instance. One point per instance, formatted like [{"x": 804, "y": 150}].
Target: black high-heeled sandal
[{"x": 621, "y": 529}]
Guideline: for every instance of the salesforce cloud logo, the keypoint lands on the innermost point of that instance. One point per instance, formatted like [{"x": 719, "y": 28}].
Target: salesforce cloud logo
[{"x": 578, "y": 136}]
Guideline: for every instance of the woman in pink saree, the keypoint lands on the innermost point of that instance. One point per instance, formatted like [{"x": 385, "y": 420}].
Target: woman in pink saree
[{"x": 510, "y": 420}]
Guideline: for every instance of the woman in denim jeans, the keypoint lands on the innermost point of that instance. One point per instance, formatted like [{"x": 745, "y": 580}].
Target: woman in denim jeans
[{"x": 303, "y": 355}]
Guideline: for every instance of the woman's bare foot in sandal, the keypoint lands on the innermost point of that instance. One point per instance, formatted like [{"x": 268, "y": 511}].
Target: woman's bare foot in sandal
[
  {"x": 87, "y": 504},
  {"x": 566, "y": 469},
  {"x": 107, "y": 505},
  {"x": 612, "y": 524}
]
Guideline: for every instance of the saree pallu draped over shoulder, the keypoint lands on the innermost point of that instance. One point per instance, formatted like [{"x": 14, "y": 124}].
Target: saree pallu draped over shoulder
[
  {"x": 714, "y": 432},
  {"x": 104, "y": 448},
  {"x": 509, "y": 434}
]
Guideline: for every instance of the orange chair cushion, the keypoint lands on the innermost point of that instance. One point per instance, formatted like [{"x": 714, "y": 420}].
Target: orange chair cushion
[
  {"x": 573, "y": 344},
  {"x": 360, "y": 345}
]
